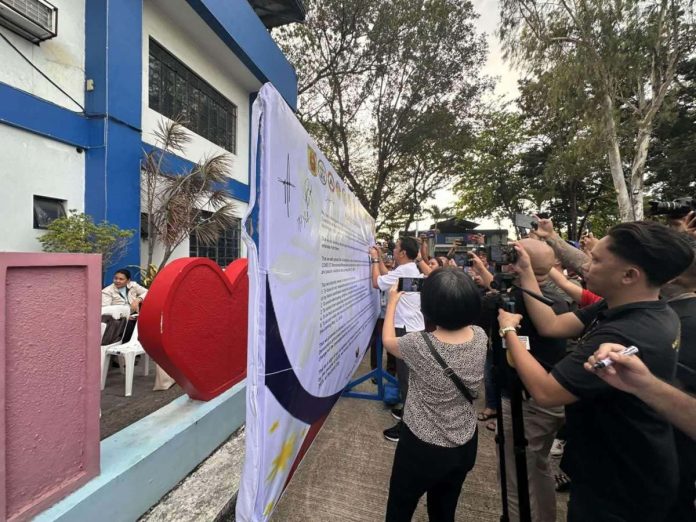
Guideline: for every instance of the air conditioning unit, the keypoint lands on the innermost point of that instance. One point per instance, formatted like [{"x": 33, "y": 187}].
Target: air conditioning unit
[{"x": 35, "y": 20}]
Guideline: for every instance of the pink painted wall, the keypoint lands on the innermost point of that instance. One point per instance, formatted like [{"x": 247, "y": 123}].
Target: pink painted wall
[{"x": 49, "y": 378}]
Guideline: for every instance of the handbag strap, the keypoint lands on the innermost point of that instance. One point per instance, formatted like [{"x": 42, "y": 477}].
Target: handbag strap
[{"x": 447, "y": 371}]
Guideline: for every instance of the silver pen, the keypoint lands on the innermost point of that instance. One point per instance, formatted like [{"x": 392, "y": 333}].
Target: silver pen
[{"x": 604, "y": 363}]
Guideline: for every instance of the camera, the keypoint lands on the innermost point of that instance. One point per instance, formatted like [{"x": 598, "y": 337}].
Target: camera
[
  {"x": 678, "y": 208},
  {"x": 410, "y": 284},
  {"x": 503, "y": 254}
]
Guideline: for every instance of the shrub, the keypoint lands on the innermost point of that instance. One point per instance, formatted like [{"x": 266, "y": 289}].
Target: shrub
[{"x": 77, "y": 232}]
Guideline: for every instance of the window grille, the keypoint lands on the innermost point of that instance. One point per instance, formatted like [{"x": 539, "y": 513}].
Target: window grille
[
  {"x": 224, "y": 251},
  {"x": 175, "y": 91}
]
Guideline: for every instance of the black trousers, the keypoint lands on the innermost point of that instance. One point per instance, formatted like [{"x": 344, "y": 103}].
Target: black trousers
[
  {"x": 585, "y": 505},
  {"x": 421, "y": 468},
  {"x": 391, "y": 360},
  {"x": 402, "y": 370}
]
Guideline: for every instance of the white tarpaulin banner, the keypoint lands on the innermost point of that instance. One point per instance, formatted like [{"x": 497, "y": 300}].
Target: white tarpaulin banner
[{"x": 312, "y": 308}]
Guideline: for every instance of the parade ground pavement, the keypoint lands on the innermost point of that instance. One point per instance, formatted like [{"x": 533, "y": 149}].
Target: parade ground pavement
[{"x": 345, "y": 474}]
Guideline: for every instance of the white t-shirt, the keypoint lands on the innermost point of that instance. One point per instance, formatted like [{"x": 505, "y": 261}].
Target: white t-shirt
[{"x": 408, "y": 311}]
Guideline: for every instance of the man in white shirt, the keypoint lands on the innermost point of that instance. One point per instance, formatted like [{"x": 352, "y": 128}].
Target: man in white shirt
[{"x": 408, "y": 317}]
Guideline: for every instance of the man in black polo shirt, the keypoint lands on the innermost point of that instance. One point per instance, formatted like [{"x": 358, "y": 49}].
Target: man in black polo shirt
[
  {"x": 620, "y": 453},
  {"x": 680, "y": 294}
]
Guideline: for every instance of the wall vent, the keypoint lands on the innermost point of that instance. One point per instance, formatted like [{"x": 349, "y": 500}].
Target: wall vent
[{"x": 35, "y": 20}]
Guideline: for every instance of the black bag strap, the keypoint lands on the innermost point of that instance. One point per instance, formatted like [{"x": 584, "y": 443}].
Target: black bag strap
[{"x": 449, "y": 372}]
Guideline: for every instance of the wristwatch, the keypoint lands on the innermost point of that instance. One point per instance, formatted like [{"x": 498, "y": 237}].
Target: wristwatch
[
  {"x": 505, "y": 330},
  {"x": 419, "y": 259},
  {"x": 374, "y": 260}
]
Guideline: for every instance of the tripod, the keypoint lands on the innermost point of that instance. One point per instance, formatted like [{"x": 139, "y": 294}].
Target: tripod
[{"x": 506, "y": 378}]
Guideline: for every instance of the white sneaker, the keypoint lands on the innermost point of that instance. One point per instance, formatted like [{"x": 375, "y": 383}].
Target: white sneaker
[{"x": 557, "y": 447}]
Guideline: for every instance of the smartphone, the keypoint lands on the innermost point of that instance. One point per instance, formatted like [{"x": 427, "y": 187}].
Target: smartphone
[
  {"x": 588, "y": 227},
  {"x": 410, "y": 284}
]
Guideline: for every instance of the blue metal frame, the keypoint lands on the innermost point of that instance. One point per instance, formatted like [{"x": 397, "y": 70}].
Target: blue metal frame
[{"x": 378, "y": 373}]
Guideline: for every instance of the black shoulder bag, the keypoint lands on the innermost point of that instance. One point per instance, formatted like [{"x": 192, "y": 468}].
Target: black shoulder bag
[{"x": 449, "y": 372}]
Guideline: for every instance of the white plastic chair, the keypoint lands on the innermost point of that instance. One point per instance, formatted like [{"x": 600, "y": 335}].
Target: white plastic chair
[
  {"x": 117, "y": 312},
  {"x": 128, "y": 352}
]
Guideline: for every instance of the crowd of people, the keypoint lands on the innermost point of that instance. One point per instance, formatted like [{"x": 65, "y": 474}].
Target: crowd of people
[{"x": 629, "y": 421}]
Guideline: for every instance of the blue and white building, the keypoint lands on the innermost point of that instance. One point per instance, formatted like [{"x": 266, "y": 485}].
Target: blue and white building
[{"x": 83, "y": 84}]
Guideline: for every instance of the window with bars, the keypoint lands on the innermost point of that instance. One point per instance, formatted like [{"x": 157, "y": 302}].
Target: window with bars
[
  {"x": 224, "y": 251},
  {"x": 176, "y": 91}
]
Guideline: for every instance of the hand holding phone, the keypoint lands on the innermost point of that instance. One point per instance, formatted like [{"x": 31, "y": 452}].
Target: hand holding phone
[{"x": 410, "y": 284}]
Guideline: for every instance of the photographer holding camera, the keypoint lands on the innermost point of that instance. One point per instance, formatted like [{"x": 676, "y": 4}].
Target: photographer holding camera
[
  {"x": 541, "y": 423},
  {"x": 620, "y": 454}
]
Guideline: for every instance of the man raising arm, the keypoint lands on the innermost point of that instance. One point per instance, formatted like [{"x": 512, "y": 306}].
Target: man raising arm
[
  {"x": 544, "y": 318},
  {"x": 408, "y": 317},
  {"x": 568, "y": 256},
  {"x": 629, "y": 265}
]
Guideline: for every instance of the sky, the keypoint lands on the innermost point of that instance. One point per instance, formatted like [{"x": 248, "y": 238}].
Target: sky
[{"x": 506, "y": 87}]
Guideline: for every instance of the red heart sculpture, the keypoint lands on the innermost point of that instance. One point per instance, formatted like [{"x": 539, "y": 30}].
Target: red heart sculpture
[{"x": 193, "y": 323}]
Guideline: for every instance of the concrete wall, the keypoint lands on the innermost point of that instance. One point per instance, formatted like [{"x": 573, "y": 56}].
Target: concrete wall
[
  {"x": 180, "y": 30},
  {"x": 61, "y": 58},
  {"x": 142, "y": 462},
  {"x": 35, "y": 165},
  {"x": 49, "y": 378}
]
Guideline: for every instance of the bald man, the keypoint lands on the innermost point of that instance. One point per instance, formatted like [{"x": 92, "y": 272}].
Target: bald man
[{"x": 540, "y": 424}]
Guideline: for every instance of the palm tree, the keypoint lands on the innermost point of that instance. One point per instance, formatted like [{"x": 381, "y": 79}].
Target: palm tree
[
  {"x": 180, "y": 204},
  {"x": 439, "y": 214}
]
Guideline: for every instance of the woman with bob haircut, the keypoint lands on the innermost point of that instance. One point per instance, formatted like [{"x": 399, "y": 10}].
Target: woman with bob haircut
[{"x": 438, "y": 441}]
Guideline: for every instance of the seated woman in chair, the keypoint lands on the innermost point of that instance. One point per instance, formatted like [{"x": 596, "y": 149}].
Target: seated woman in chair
[{"x": 122, "y": 291}]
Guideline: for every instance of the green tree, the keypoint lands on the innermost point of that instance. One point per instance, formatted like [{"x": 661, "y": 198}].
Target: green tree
[
  {"x": 523, "y": 163},
  {"x": 439, "y": 214},
  {"x": 77, "y": 232},
  {"x": 492, "y": 181},
  {"x": 567, "y": 156},
  {"x": 623, "y": 55},
  {"x": 388, "y": 90},
  {"x": 672, "y": 155}
]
